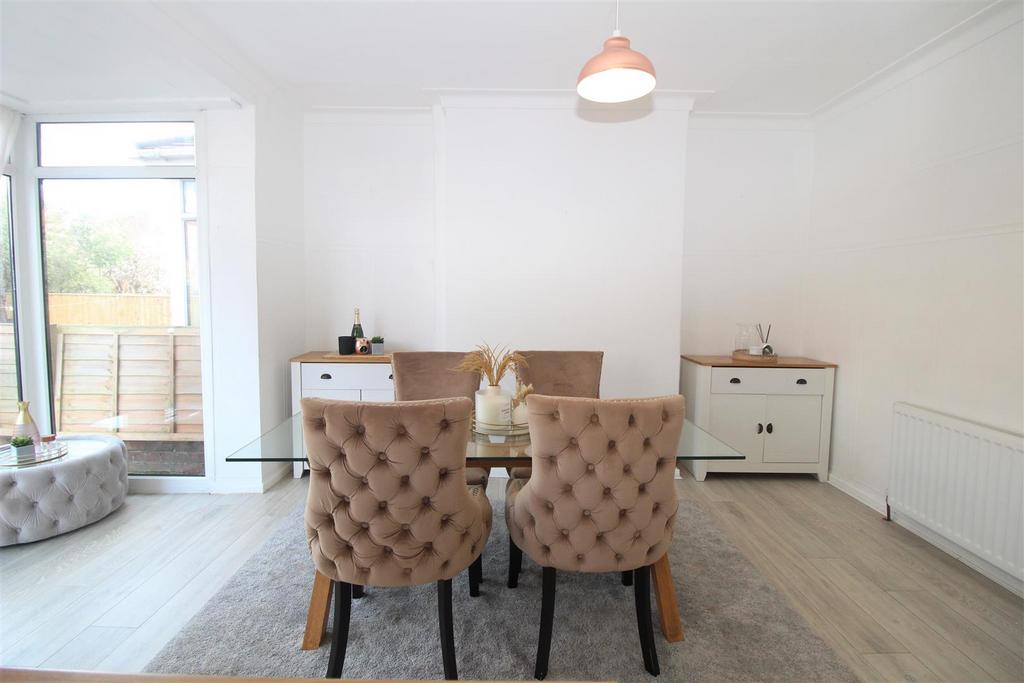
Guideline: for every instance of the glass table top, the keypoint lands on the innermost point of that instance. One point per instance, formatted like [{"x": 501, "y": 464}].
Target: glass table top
[{"x": 283, "y": 443}]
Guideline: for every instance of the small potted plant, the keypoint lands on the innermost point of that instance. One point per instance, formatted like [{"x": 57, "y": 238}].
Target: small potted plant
[
  {"x": 377, "y": 344},
  {"x": 23, "y": 446}
]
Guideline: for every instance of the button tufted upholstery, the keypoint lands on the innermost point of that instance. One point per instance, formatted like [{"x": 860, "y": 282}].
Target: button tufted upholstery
[
  {"x": 45, "y": 500},
  {"x": 601, "y": 497},
  {"x": 388, "y": 503},
  {"x": 560, "y": 373},
  {"x": 423, "y": 375}
]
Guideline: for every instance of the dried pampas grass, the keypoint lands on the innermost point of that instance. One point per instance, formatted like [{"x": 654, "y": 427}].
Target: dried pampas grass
[{"x": 492, "y": 362}]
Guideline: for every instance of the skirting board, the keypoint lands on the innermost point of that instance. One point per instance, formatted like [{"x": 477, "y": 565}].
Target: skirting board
[
  {"x": 873, "y": 499},
  {"x": 876, "y": 501},
  {"x": 1011, "y": 583}
]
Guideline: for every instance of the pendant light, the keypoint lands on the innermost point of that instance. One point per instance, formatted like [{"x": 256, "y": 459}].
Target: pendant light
[{"x": 617, "y": 73}]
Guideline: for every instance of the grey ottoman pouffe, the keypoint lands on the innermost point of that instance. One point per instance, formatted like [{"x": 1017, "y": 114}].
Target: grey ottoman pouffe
[{"x": 52, "y": 498}]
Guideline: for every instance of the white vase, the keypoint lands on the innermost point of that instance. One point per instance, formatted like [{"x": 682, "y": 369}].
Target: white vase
[
  {"x": 519, "y": 414},
  {"x": 493, "y": 408}
]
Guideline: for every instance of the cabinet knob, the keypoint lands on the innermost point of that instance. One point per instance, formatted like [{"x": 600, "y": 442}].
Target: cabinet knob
[
  {"x": 769, "y": 428},
  {"x": 326, "y": 375},
  {"x": 760, "y": 427},
  {"x": 734, "y": 380},
  {"x": 801, "y": 381},
  {"x": 391, "y": 376}
]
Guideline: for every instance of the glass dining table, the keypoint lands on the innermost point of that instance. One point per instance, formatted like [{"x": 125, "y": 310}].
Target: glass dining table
[{"x": 283, "y": 443}]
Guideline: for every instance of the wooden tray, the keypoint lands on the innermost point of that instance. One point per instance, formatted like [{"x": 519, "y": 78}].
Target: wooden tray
[{"x": 745, "y": 357}]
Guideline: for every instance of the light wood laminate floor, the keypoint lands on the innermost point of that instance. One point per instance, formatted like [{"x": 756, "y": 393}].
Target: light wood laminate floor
[{"x": 109, "y": 596}]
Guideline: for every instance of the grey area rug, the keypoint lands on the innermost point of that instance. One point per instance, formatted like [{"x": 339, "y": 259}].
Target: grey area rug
[{"x": 738, "y": 627}]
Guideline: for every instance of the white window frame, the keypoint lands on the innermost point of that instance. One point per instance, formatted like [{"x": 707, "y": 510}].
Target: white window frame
[{"x": 27, "y": 175}]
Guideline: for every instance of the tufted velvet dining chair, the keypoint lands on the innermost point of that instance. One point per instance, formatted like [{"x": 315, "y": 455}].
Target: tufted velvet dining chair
[
  {"x": 563, "y": 373},
  {"x": 421, "y": 375},
  {"x": 560, "y": 373},
  {"x": 388, "y": 503},
  {"x": 602, "y": 497}
]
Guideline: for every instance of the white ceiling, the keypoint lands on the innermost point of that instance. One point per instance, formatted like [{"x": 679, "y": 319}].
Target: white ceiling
[{"x": 748, "y": 57}]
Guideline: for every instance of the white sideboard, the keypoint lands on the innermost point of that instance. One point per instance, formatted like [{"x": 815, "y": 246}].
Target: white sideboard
[
  {"x": 319, "y": 374},
  {"x": 779, "y": 416}
]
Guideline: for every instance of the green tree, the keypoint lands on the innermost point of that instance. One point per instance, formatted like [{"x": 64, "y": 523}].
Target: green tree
[{"x": 92, "y": 257}]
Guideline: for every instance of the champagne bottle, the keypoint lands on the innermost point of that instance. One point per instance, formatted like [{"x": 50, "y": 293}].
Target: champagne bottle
[{"x": 357, "y": 327}]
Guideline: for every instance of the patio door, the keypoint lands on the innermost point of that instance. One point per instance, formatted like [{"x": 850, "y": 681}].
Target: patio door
[{"x": 120, "y": 266}]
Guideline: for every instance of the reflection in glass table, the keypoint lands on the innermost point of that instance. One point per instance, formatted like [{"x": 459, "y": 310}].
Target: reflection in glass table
[{"x": 283, "y": 443}]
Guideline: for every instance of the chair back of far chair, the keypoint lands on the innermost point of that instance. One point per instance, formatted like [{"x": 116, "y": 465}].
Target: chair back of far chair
[
  {"x": 563, "y": 373},
  {"x": 388, "y": 503},
  {"x": 602, "y": 495},
  {"x": 421, "y": 375}
]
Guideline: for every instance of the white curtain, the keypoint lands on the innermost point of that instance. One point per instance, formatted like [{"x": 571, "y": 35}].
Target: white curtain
[{"x": 9, "y": 122}]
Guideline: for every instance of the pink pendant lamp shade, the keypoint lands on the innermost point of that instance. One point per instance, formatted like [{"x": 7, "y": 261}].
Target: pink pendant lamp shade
[{"x": 616, "y": 74}]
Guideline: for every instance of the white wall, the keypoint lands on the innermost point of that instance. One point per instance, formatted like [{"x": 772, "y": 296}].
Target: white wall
[
  {"x": 748, "y": 202},
  {"x": 280, "y": 252},
  {"x": 369, "y": 213},
  {"x": 916, "y": 285},
  {"x": 563, "y": 230},
  {"x": 232, "y": 417},
  {"x": 466, "y": 225},
  {"x": 887, "y": 238}
]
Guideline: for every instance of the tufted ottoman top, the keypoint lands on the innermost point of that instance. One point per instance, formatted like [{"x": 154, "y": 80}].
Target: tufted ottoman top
[{"x": 52, "y": 498}]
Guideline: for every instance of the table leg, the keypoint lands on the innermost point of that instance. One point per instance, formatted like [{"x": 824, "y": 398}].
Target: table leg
[
  {"x": 319, "y": 608},
  {"x": 668, "y": 605}
]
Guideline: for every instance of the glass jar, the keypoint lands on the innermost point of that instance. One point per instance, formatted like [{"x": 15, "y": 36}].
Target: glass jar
[{"x": 746, "y": 337}]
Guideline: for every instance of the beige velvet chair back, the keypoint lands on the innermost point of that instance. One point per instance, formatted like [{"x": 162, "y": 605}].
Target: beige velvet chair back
[
  {"x": 421, "y": 375},
  {"x": 602, "y": 496},
  {"x": 564, "y": 373},
  {"x": 388, "y": 503}
]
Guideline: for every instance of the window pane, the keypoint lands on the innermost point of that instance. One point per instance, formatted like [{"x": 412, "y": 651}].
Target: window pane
[
  {"x": 9, "y": 389},
  {"x": 123, "y": 327},
  {"x": 157, "y": 143}
]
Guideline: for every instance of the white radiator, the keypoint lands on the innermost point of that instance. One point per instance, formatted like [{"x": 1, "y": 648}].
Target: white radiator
[{"x": 963, "y": 483}]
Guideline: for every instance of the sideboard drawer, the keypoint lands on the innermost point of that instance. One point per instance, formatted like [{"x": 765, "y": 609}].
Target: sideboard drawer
[
  {"x": 346, "y": 376},
  {"x": 767, "y": 381}
]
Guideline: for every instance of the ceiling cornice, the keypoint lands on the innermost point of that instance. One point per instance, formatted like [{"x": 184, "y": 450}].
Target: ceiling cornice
[{"x": 181, "y": 32}]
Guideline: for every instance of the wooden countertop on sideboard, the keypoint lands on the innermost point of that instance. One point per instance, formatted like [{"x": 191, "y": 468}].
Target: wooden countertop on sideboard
[
  {"x": 784, "y": 362},
  {"x": 330, "y": 357}
]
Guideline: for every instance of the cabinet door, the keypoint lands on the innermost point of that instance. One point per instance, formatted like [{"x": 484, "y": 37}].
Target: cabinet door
[
  {"x": 735, "y": 419},
  {"x": 795, "y": 423},
  {"x": 378, "y": 395}
]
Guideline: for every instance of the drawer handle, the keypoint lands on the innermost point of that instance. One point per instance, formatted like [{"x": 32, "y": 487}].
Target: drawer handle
[
  {"x": 769, "y": 428},
  {"x": 326, "y": 375},
  {"x": 801, "y": 381},
  {"x": 391, "y": 376},
  {"x": 760, "y": 427},
  {"x": 734, "y": 380}
]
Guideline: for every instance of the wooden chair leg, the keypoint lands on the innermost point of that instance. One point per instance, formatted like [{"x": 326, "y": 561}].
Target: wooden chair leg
[
  {"x": 515, "y": 563},
  {"x": 444, "y": 619},
  {"x": 339, "y": 634},
  {"x": 547, "y": 617},
  {"x": 668, "y": 605},
  {"x": 627, "y": 578},
  {"x": 642, "y": 596},
  {"x": 476, "y": 571},
  {"x": 319, "y": 608}
]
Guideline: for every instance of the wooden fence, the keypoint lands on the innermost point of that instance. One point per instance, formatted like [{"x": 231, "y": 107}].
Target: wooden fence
[
  {"x": 8, "y": 378},
  {"x": 144, "y": 310},
  {"x": 140, "y": 383}
]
